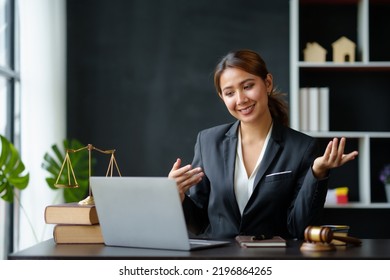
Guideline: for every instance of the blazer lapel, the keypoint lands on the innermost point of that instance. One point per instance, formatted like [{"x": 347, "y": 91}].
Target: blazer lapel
[
  {"x": 229, "y": 149},
  {"x": 271, "y": 152}
]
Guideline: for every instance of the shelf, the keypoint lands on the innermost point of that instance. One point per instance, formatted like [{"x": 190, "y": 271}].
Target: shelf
[
  {"x": 359, "y": 91},
  {"x": 329, "y": 2},
  {"x": 360, "y": 205},
  {"x": 348, "y": 134},
  {"x": 366, "y": 66}
]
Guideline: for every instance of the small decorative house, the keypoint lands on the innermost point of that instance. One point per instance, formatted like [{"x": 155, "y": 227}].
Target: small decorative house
[
  {"x": 343, "y": 50},
  {"x": 314, "y": 52}
]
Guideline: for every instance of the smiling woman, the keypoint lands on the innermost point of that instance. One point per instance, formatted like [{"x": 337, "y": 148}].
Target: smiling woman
[
  {"x": 246, "y": 95},
  {"x": 254, "y": 68},
  {"x": 243, "y": 179}
]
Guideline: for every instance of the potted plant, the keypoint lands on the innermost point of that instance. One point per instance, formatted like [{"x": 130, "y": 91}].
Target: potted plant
[
  {"x": 13, "y": 173},
  {"x": 384, "y": 177}
]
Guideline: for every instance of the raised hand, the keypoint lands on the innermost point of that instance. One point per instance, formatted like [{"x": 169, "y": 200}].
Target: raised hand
[
  {"x": 185, "y": 176},
  {"x": 333, "y": 157}
]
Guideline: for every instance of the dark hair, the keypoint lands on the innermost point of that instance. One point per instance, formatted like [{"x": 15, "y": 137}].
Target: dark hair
[{"x": 251, "y": 62}]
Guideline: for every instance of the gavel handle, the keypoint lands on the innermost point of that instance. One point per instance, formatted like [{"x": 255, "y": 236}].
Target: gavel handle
[{"x": 348, "y": 239}]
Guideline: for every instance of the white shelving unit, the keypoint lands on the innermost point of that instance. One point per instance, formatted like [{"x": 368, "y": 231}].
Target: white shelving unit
[{"x": 362, "y": 64}]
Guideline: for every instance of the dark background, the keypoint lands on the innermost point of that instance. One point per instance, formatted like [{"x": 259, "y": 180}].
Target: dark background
[
  {"x": 140, "y": 72},
  {"x": 140, "y": 80}
]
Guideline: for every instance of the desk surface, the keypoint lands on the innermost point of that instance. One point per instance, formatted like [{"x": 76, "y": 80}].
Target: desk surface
[{"x": 370, "y": 249}]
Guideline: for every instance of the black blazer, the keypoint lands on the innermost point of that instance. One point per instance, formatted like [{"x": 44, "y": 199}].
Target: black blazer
[{"x": 286, "y": 197}]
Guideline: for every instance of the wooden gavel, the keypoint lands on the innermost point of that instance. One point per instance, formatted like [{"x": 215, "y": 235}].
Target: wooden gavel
[{"x": 325, "y": 235}]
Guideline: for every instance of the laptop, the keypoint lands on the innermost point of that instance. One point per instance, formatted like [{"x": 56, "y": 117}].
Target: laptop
[{"x": 143, "y": 212}]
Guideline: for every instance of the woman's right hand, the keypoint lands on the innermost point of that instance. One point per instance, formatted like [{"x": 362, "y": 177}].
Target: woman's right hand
[{"x": 185, "y": 176}]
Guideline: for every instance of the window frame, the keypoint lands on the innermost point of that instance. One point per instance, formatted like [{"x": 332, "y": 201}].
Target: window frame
[{"x": 10, "y": 72}]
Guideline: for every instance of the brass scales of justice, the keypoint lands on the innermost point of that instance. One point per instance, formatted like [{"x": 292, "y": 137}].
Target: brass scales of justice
[{"x": 72, "y": 181}]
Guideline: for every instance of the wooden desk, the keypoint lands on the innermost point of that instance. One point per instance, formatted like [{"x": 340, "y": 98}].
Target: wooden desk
[{"x": 375, "y": 249}]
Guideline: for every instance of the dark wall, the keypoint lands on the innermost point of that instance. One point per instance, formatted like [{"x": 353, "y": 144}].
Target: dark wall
[
  {"x": 363, "y": 222},
  {"x": 140, "y": 72},
  {"x": 140, "y": 80}
]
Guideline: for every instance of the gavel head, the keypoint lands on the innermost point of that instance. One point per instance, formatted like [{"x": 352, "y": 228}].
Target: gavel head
[{"x": 318, "y": 234}]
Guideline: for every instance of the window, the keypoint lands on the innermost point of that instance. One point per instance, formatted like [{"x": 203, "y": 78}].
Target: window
[
  {"x": 9, "y": 100},
  {"x": 9, "y": 76}
]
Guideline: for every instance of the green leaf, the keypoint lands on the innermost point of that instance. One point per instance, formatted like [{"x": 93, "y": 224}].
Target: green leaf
[
  {"x": 20, "y": 182},
  {"x": 60, "y": 155},
  {"x": 9, "y": 194},
  {"x": 4, "y": 151},
  {"x": 50, "y": 182},
  {"x": 12, "y": 171},
  {"x": 50, "y": 164}
]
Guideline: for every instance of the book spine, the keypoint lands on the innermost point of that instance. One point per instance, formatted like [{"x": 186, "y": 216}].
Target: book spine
[
  {"x": 71, "y": 215},
  {"x": 314, "y": 109},
  {"x": 324, "y": 108},
  {"x": 304, "y": 109},
  {"x": 76, "y": 234}
]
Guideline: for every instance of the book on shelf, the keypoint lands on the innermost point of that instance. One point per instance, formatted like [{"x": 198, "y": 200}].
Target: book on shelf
[
  {"x": 304, "y": 111},
  {"x": 314, "y": 116},
  {"x": 250, "y": 241},
  {"x": 314, "y": 109},
  {"x": 71, "y": 213},
  {"x": 323, "y": 108},
  {"x": 77, "y": 234}
]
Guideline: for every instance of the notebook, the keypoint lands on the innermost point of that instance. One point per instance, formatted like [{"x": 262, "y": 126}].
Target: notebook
[{"x": 143, "y": 212}]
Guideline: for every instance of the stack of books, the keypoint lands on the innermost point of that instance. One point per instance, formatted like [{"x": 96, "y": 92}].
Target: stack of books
[
  {"x": 74, "y": 223},
  {"x": 338, "y": 230}
]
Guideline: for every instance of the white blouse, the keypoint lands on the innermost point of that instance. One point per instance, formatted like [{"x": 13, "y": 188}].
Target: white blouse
[{"x": 243, "y": 186}]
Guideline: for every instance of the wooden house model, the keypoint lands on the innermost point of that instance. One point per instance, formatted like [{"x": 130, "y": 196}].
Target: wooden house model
[
  {"x": 343, "y": 50},
  {"x": 314, "y": 52}
]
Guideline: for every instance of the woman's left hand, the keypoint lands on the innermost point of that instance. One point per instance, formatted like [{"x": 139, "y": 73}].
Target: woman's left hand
[{"x": 333, "y": 157}]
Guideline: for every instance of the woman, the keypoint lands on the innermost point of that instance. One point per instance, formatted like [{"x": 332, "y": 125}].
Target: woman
[{"x": 255, "y": 176}]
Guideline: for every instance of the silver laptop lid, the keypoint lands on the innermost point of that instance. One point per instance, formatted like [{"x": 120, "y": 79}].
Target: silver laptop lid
[{"x": 143, "y": 212}]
